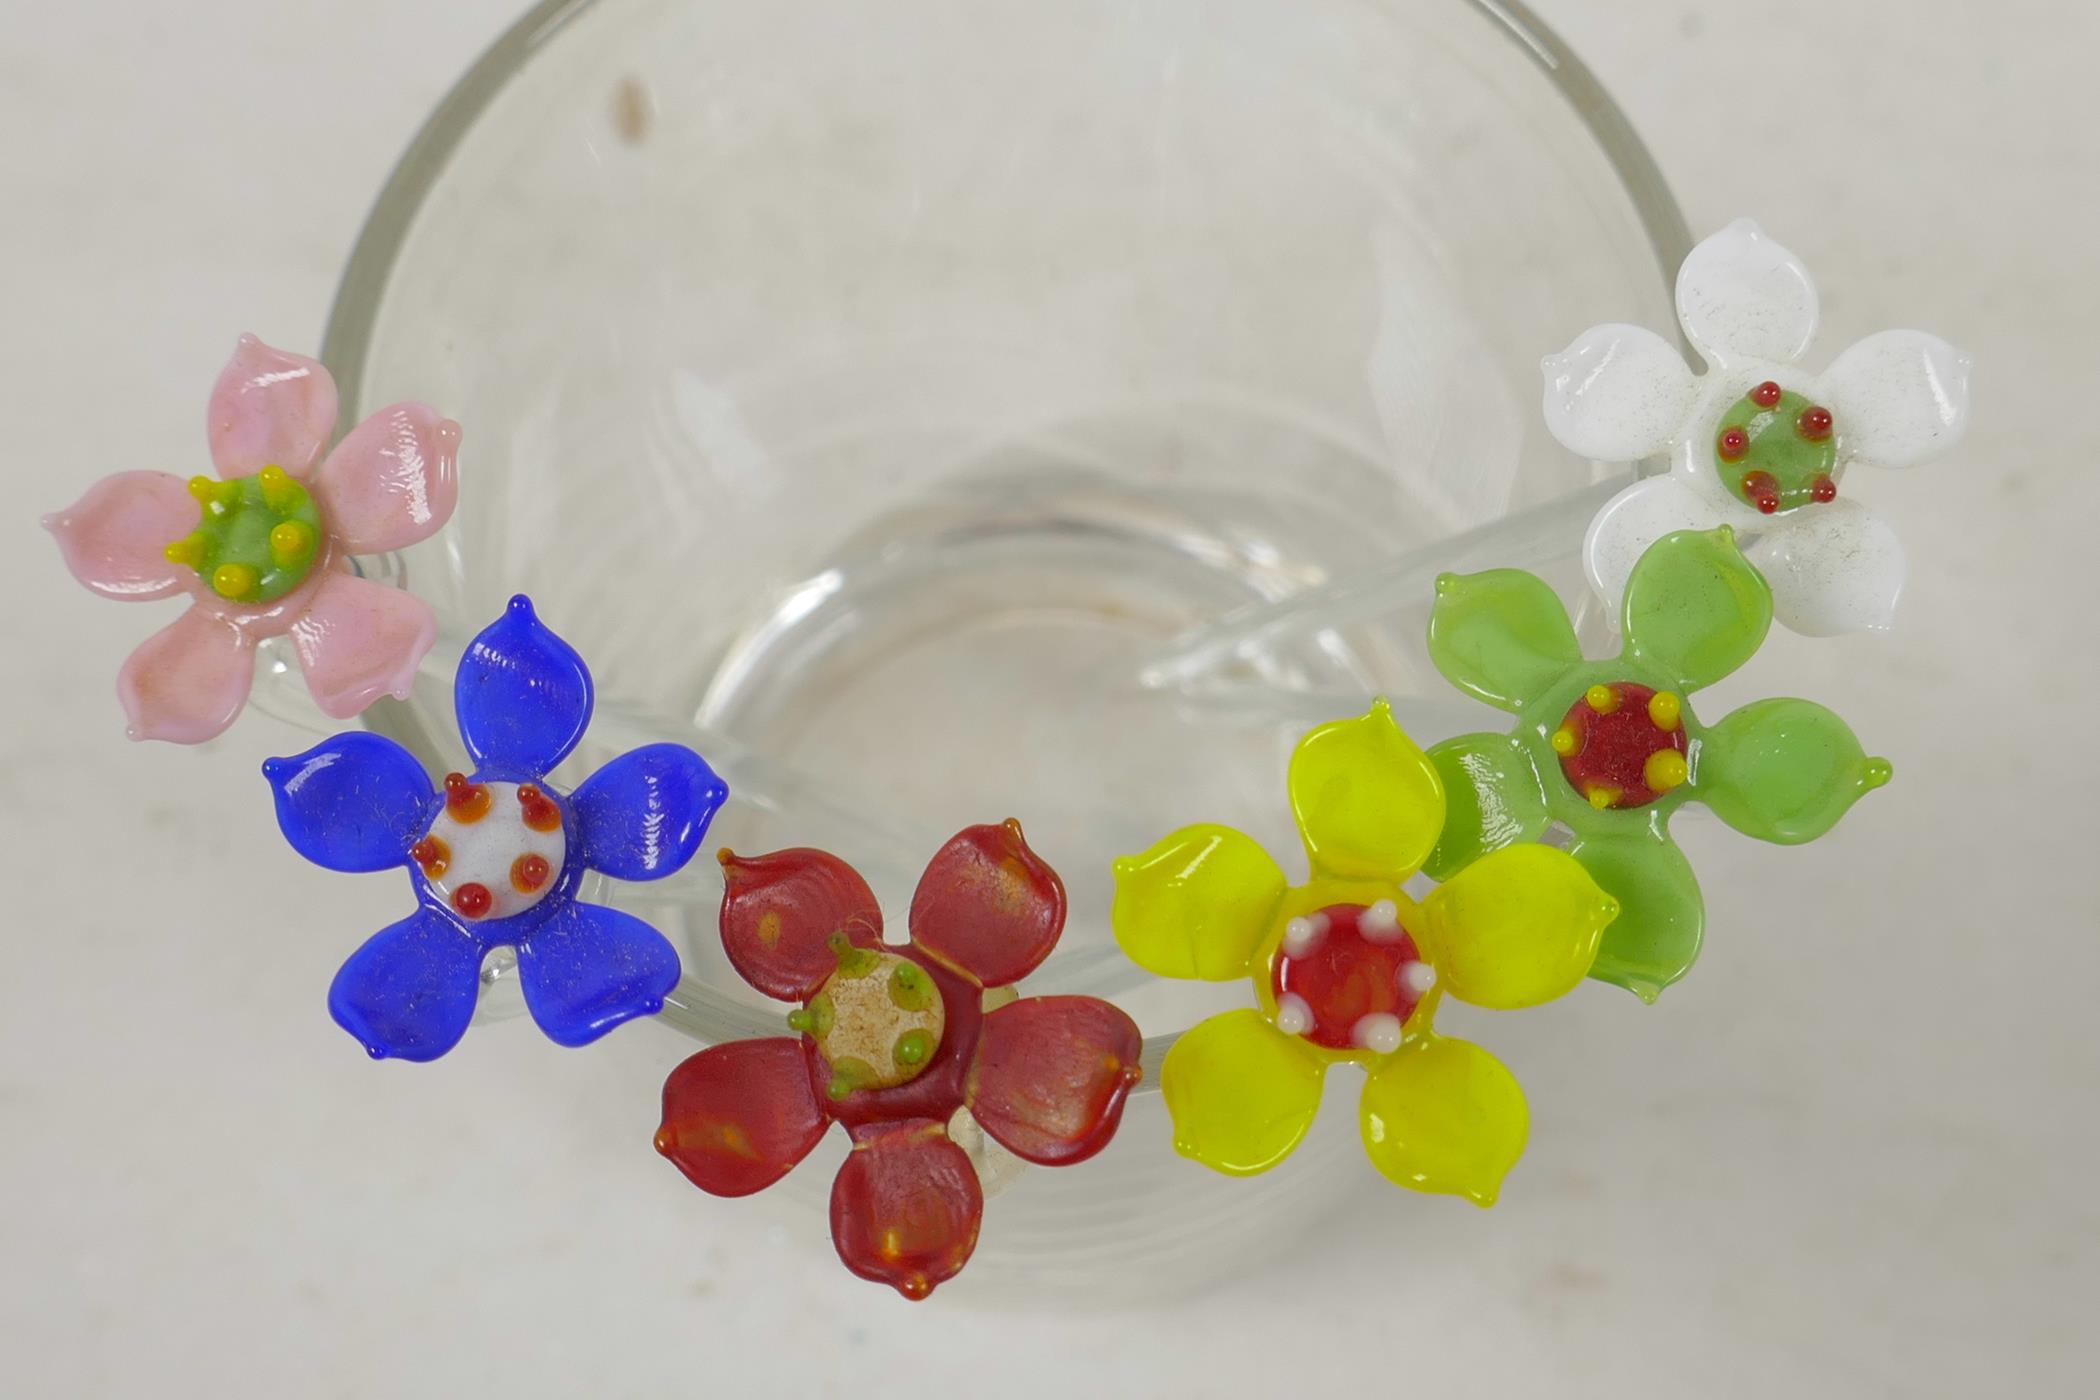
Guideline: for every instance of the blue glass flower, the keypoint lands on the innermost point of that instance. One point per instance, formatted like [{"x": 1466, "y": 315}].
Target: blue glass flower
[{"x": 496, "y": 857}]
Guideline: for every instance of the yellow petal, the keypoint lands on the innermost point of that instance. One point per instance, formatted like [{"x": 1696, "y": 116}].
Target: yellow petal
[
  {"x": 1444, "y": 1115},
  {"x": 1368, "y": 801},
  {"x": 1196, "y": 904},
  {"x": 1242, "y": 1093},
  {"x": 1517, "y": 927}
]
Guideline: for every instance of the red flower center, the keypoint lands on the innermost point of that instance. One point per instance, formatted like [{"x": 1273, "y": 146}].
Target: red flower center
[
  {"x": 1623, "y": 745},
  {"x": 1348, "y": 977}
]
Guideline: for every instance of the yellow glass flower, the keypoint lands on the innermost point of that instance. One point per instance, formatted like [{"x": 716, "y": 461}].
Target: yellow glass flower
[{"x": 1347, "y": 967}]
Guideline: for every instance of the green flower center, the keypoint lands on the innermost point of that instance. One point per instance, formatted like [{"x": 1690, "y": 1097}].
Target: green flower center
[
  {"x": 1777, "y": 450},
  {"x": 258, "y": 538},
  {"x": 877, "y": 1020}
]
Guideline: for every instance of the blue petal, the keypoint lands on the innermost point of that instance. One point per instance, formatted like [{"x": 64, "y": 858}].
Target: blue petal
[
  {"x": 355, "y": 802},
  {"x": 589, "y": 968},
  {"x": 643, "y": 815},
  {"x": 409, "y": 992},
  {"x": 523, "y": 696}
]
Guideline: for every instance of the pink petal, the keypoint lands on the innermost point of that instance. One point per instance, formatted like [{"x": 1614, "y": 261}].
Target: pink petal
[
  {"x": 258, "y": 621},
  {"x": 113, "y": 536},
  {"x": 359, "y": 640},
  {"x": 269, "y": 408},
  {"x": 188, "y": 681},
  {"x": 391, "y": 482}
]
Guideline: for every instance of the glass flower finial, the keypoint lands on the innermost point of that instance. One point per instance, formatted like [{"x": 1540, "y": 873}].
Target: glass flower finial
[
  {"x": 1348, "y": 968},
  {"x": 264, "y": 549},
  {"x": 495, "y": 856},
  {"x": 1757, "y": 442},
  {"x": 1610, "y": 749},
  {"x": 897, "y": 1041}
]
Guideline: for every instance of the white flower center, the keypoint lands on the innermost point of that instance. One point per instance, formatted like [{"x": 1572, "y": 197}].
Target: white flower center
[{"x": 495, "y": 850}]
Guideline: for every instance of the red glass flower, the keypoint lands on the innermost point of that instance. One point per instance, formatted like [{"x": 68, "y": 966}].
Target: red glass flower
[{"x": 894, "y": 1041}]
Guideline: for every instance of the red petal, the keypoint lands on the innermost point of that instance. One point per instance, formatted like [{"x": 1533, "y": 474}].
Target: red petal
[
  {"x": 779, "y": 912},
  {"x": 906, "y": 1206},
  {"x": 987, "y": 906},
  {"x": 1052, "y": 1074},
  {"x": 738, "y": 1117}
]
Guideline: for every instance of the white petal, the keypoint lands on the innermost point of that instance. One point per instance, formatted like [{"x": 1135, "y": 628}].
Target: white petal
[
  {"x": 1617, "y": 393},
  {"x": 1899, "y": 397},
  {"x": 1634, "y": 519},
  {"x": 1833, "y": 568},
  {"x": 1742, "y": 296}
]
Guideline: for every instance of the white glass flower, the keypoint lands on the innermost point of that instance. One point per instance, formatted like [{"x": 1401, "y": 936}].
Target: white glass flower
[{"x": 1757, "y": 442}]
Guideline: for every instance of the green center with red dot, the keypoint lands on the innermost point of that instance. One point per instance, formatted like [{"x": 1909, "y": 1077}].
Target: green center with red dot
[{"x": 1777, "y": 450}]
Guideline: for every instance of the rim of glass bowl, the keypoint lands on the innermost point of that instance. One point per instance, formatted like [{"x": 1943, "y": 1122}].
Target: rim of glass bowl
[{"x": 706, "y": 1015}]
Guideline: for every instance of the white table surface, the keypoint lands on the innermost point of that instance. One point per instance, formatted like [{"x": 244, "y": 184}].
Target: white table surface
[{"x": 1852, "y": 1156}]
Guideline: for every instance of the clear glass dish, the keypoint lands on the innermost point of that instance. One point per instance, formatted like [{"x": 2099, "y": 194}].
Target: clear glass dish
[{"x": 886, "y": 399}]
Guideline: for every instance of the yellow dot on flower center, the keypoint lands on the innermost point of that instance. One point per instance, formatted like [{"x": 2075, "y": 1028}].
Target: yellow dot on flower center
[
  {"x": 1664, "y": 770},
  {"x": 187, "y": 550},
  {"x": 1601, "y": 698},
  {"x": 1563, "y": 741},
  {"x": 290, "y": 542},
  {"x": 233, "y": 581},
  {"x": 1602, "y": 797},
  {"x": 279, "y": 494},
  {"x": 1664, "y": 710}
]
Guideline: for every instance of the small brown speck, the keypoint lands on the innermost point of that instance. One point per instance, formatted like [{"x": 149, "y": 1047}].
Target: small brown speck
[{"x": 633, "y": 110}]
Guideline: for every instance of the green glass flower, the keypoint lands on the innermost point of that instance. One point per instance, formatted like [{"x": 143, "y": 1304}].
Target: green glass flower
[{"x": 1611, "y": 748}]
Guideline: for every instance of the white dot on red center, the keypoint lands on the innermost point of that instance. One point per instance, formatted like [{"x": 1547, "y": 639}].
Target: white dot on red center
[{"x": 1348, "y": 976}]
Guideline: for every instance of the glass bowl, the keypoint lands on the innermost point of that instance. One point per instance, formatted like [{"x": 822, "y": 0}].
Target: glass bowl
[{"x": 884, "y": 399}]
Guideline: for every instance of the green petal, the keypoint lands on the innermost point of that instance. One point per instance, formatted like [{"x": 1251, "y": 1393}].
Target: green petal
[
  {"x": 1501, "y": 636},
  {"x": 1655, "y": 939},
  {"x": 1783, "y": 770},
  {"x": 1492, "y": 798},
  {"x": 1695, "y": 607}
]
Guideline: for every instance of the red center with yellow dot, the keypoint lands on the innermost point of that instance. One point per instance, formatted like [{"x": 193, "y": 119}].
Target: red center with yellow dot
[{"x": 1623, "y": 745}]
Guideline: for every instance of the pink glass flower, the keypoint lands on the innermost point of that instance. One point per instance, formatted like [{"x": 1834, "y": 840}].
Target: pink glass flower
[{"x": 265, "y": 550}]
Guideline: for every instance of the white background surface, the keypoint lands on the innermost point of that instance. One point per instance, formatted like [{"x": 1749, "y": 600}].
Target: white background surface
[{"x": 1851, "y": 1156}]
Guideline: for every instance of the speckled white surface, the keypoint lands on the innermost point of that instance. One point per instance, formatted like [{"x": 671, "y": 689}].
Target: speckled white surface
[{"x": 1851, "y": 1156}]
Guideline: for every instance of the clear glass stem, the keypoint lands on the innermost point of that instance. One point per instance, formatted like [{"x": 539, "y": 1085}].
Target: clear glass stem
[
  {"x": 1531, "y": 537},
  {"x": 616, "y": 724}
]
